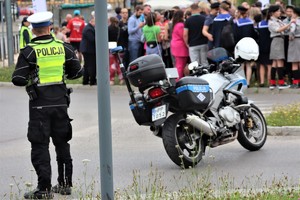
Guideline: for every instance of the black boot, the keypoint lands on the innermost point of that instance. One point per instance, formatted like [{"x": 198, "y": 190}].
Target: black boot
[
  {"x": 38, "y": 194},
  {"x": 63, "y": 190}
]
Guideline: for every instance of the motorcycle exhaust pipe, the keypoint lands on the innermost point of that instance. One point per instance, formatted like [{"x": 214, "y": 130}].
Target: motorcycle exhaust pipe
[{"x": 201, "y": 125}]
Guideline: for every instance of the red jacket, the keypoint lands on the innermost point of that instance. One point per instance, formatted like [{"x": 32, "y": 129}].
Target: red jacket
[{"x": 76, "y": 26}]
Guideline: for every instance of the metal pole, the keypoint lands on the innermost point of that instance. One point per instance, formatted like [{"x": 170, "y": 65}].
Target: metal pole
[
  {"x": 104, "y": 113},
  {"x": 2, "y": 35},
  {"x": 9, "y": 33}
]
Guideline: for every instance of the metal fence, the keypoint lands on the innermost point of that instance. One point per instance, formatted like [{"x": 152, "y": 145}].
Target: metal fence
[{"x": 4, "y": 47}]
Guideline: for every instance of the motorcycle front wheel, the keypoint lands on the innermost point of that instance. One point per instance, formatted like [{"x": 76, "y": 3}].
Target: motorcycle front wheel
[
  {"x": 253, "y": 129},
  {"x": 182, "y": 142}
]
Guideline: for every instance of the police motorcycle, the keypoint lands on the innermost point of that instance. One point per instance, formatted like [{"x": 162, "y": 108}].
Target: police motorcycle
[{"x": 206, "y": 109}]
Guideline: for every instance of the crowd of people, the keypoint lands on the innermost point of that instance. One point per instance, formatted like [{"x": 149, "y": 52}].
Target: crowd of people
[
  {"x": 79, "y": 34},
  {"x": 183, "y": 35}
]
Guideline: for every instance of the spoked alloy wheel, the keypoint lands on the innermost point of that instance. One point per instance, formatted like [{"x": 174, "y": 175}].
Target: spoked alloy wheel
[
  {"x": 182, "y": 142},
  {"x": 253, "y": 129}
]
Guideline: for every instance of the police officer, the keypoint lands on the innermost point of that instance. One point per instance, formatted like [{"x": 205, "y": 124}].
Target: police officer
[
  {"x": 42, "y": 67},
  {"x": 25, "y": 33}
]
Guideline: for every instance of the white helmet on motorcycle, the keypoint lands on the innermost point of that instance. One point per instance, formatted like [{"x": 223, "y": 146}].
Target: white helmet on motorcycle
[{"x": 246, "y": 49}]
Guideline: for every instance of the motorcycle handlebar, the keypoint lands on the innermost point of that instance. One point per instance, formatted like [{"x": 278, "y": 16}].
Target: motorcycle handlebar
[{"x": 200, "y": 69}]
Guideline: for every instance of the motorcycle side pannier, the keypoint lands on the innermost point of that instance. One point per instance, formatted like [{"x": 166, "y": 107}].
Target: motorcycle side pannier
[
  {"x": 146, "y": 69},
  {"x": 193, "y": 93},
  {"x": 140, "y": 111}
]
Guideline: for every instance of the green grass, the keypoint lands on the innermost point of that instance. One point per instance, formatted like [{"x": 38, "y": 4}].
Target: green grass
[
  {"x": 5, "y": 74},
  {"x": 284, "y": 115},
  {"x": 201, "y": 184}
]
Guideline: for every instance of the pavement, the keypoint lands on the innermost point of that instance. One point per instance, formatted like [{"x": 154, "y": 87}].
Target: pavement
[{"x": 272, "y": 131}]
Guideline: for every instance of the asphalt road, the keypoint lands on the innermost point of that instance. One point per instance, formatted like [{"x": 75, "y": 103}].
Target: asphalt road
[{"x": 135, "y": 149}]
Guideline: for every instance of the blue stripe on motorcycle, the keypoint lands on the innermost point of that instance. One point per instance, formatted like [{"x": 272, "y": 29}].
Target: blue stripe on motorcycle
[
  {"x": 243, "y": 81},
  {"x": 133, "y": 106},
  {"x": 193, "y": 88}
]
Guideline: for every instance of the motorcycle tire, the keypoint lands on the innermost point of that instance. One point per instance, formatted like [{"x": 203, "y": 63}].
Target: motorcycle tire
[
  {"x": 182, "y": 142},
  {"x": 253, "y": 138}
]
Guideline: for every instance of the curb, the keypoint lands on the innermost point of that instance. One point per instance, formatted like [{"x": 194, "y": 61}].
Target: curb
[
  {"x": 272, "y": 130},
  {"x": 265, "y": 90},
  {"x": 76, "y": 86},
  {"x": 252, "y": 90},
  {"x": 284, "y": 131}
]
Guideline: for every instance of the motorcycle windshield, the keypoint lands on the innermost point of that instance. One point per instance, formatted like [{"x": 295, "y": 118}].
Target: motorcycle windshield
[{"x": 217, "y": 55}]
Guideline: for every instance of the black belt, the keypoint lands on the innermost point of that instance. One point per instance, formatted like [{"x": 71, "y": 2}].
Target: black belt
[{"x": 278, "y": 36}]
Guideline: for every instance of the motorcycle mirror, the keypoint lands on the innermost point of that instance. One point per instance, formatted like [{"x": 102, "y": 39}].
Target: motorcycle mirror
[
  {"x": 193, "y": 65},
  {"x": 172, "y": 73}
]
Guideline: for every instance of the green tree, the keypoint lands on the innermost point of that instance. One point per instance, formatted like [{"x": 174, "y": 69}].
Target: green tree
[{"x": 250, "y": 2}]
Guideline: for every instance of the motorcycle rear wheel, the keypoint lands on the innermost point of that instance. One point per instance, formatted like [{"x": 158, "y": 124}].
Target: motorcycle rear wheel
[
  {"x": 182, "y": 142},
  {"x": 253, "y": 135}
]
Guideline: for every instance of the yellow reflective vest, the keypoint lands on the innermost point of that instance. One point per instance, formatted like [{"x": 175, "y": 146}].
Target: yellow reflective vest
[
  {"x": 22, "y": 39},
  {"x": 50, "y": 56}
]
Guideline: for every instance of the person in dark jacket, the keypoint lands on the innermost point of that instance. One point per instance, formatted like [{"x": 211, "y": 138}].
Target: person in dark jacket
[
  {"x": 42, "y": 67},
  {"x": 218, "y": 24},
  {"x": 264, "y": 43},
  {"x": 219, "y": 21},
  {"x": 88, "y": 49},
  {"x": 244, "y": 27}
]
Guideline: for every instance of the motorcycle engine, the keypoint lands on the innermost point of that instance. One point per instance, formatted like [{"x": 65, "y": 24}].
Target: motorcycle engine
[{"x": 231, "y": 117}]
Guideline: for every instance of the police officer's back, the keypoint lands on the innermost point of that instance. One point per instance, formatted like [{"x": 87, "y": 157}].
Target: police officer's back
[{"x": 42, "y": 67}]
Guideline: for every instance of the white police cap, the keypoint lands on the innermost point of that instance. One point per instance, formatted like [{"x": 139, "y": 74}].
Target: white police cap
[{"x": 40, "y": 19}]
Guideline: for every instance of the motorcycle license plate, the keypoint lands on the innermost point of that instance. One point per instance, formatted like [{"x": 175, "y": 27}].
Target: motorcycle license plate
[{"x": 159, "y": 112}]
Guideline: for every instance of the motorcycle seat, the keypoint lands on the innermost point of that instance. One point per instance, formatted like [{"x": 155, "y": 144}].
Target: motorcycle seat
[{"x": 191, "y": 80}]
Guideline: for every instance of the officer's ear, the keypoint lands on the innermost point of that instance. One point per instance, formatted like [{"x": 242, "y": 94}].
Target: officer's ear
[{"x": 33, "y": 31}]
